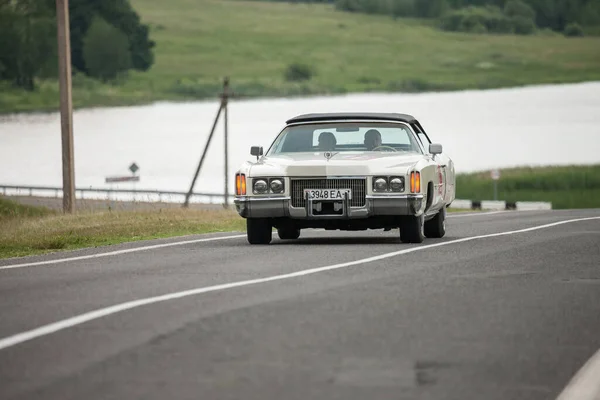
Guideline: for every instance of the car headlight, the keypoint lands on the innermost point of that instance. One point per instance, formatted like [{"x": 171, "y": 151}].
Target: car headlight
[
  {"x": 380, "y": 184},
  {"x": 260, "y": 186},
  {"x": 276, "y": 185},
  {"x": 397, "y": 184}
]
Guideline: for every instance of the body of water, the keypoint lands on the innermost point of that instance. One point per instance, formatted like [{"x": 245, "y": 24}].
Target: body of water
[{"x": 538, "y": 125}]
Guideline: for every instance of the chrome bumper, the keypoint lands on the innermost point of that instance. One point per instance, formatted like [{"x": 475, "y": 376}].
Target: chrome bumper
[{"x": 277, "y": 207}]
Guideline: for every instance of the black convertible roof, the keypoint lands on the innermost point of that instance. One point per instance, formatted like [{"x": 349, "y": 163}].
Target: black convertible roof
[{"x": 322, "y": 117}]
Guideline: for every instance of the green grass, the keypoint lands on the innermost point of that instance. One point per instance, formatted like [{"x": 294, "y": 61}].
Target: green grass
[
  {"x": 201, "y": 41},
  {"x": 564, "y": 186},
  {"x": 11, "y": 210},
  {"x": 26, "y": 230}
]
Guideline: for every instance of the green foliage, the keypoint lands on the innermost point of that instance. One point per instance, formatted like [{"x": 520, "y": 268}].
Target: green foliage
[
  {"x": 118, "y": 13},
  {"x": 298, "y": 72},
  {"x": 28, "y": 38},
  {"x": 403, "y": 8},
  {"x": 518, "y": 8},
  {"x": 590, "y": 14},
  {"x": 486, "y": 19},
  {"x": 27, "y": 43},
  {"x": 430, "y": 8},
  {"x": 105, "y": 50},
  {"x": 385, "y": 7},
  {"x": 565, "y": 187},
  {"x": 523, "y": 25},
  {"x": 516, "y": 15},
  {"x": 573, "y": 30}
]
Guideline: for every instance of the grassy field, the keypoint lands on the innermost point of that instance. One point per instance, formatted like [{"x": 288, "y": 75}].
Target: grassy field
[
  {"x": 201, "y": 41},
  {"x": 26, "y": 230},
  {"x": 565, "y": 187}
]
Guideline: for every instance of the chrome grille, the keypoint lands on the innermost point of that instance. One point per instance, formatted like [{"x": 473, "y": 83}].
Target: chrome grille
[{"x": 357, "y": 185}]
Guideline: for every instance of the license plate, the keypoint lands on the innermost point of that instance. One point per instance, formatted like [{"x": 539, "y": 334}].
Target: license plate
[{"x": 327, "y": 194}]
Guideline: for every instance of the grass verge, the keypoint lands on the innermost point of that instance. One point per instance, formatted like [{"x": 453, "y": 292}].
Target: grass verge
[
  {"x": 573, "y": 186},
  {"x": 33, "y": 230},
  {"x": 201, "y": 41}
]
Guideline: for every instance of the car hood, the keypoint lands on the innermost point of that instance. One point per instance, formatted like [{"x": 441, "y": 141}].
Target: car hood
[{"x": 346, "y": 163}]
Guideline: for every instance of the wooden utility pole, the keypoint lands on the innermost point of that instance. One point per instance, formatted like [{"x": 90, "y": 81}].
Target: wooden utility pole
[
  {"x": 66, "y": 104},
  {"x": 222, "y": 107},
  {"x": 186, "y": 203},
  {"x": 225, "y": 98}
]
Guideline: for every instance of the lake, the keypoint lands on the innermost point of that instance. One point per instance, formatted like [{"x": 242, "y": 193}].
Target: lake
[{"x": 538, "y": 125}]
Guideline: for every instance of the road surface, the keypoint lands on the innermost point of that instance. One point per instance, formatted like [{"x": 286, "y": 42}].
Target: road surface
[{"x": 492, "y": 311}]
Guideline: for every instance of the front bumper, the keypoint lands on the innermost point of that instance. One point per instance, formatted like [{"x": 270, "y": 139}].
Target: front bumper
[{"x": 278, "y": 207}]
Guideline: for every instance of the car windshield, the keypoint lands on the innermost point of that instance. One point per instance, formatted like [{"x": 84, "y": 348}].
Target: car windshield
[{"x": 346, "y": 137}]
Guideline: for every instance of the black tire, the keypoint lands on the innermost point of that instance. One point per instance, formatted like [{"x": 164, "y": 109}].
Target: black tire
[
  {"x": 411, "y": 230},
  {"x": 436, "y": 227},
  {"x": 288, "y": 233},
  {"x": 259, "y": 230}
]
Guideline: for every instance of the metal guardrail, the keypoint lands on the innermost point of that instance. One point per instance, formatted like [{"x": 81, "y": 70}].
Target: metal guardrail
[{"x": 156, "y": 195}]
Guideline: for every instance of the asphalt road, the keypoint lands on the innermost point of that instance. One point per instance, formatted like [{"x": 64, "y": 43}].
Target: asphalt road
[{"x": 511, "y": 316}]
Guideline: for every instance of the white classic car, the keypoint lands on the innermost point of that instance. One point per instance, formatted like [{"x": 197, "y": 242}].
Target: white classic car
[{"x": 347, "y": 171}]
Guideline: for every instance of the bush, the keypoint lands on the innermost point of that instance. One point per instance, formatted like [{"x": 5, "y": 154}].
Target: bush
[
  {"x": 385, "y": 7},
  {"x": 486, "y": 19},
  {"x": 517, "y": 8},
  {"x": 106, "y": 51},
  {"x": 472, "y": 19},
  {"x": 430, "y": 8},
  {"x": 573, "y": 30},
  {"x": 523, "y": 25},
  {"x": 403, "y": 8},
  {"x": 298, "y": 72},
  {"x": 348, "y": 5}
]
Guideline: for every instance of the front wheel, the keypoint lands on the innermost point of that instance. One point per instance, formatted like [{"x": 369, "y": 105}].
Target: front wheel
[
  {"x": 411, "y": 229},
  {"x": 436, "y": 227},
  {"x": 259, "y": 230}
]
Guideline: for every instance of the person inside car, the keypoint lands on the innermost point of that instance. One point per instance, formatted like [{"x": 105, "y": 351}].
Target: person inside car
[
  {"x": 372, "y": 139},
  {"x": 327, "y": 141}
]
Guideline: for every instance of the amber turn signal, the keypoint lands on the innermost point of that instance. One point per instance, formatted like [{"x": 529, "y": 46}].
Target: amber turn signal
[
  {"x": 240, "y": 184},
  {"x": 415, "y": 182}
]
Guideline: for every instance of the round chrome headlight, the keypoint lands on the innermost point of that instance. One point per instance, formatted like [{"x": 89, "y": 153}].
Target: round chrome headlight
[
  {"x": 397, "y": 185},
  {"x": 276, "y": 185},
  {"x": 380, "y": 185},
  {"x": 260, "y": 186}
]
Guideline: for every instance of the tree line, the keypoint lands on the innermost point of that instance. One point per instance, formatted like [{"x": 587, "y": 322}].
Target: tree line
[
  {"x": 496, "y": 16},
  {"x": 107, "y": 39}
]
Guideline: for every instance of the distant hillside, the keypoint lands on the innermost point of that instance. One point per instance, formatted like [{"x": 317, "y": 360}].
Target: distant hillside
[{"x": 281, "y": 49}]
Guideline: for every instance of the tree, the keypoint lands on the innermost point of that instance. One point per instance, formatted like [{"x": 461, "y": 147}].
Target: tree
[
  {"x": 514, "y": 8},
  {"x": 431, "y": 8},
  {"x": 117, "y": 13},
  {"x": 105, "y": 50},
  {"x": 27, "y": 42}
]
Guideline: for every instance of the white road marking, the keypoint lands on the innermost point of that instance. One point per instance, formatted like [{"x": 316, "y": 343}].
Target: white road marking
[
  {"x": 459, "y": 215},
  {"x": 158, "y": 246},
  {"x": 118, "y": 252},
  {"x": 585, "y": 385},
  {"x": 103, "y": 312}
]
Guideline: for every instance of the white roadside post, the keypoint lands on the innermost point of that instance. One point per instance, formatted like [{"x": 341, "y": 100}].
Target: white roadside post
[{"x": 495, "y": 173}]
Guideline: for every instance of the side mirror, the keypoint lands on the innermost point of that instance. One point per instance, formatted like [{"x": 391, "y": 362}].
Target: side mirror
[
  {"x": 435, "y": 148},
  {"x": 256, "y": 151}
]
